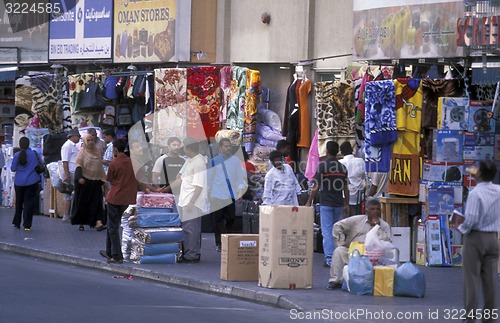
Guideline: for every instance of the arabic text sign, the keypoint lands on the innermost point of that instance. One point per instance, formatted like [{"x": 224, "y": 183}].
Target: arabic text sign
[
  {"x": 82, "y": 32},
  {"x": 144, "y": 31}
]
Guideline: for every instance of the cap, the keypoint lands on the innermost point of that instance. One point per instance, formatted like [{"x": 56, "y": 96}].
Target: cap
[{"x": 73, "y": 132}]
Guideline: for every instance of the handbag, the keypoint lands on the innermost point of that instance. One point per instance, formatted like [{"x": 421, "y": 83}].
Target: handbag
[
  {"x": 65, "y": 188},
  {"x": 91, "y": 97},
  {"x": 40, "y": 167}
]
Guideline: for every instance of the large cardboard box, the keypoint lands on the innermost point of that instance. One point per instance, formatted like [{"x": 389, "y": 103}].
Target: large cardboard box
[
  {"x": 441, "y": 171},
  {"x": 286, "y": 246},
  {"x": 448, "y": 146},
  {"x": 239, "y": 257},
  {"x": 479, "y": 119}
]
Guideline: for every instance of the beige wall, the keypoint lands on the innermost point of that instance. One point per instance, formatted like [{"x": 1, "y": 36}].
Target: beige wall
[{"x": 203, "y": 29}]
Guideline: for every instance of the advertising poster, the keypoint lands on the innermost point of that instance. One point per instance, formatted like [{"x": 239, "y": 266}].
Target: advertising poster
[
  {"x": 24, "y": 29},
  {"x": 417, "y": 29},
  {"x": 144, "y": 31},
  {"x": 83, "y": 31}
]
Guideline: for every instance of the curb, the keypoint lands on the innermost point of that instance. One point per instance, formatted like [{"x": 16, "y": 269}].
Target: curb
[{"x": 177, "y": 281}]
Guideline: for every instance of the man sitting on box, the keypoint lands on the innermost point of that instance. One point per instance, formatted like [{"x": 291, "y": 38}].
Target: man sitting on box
[{"x": 353, "y": 229}]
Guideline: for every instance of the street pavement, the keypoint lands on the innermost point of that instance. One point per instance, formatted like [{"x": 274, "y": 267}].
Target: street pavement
[{"x": 51, "y": 239}]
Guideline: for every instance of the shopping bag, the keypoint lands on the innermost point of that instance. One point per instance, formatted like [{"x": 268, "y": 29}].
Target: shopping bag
[
  {"x": 383, "y": 281},
  {"x": 360, "y": 274},
  {"x": 409, "y": 281},
  {"x": 355, "y": 245},
  {"x": 91, "y": 97}
]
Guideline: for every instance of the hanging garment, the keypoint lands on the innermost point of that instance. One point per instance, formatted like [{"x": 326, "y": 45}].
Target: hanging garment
[
  {"x": 293, "y": 120},
  {"x": 312, "y": 158},
  {"x": 45, "y": 101},
  {"x": 432, "y": 90},
  {"x": 226, "y": 79},
  {"x": 380, "y": 125},
  {"x": 290, "y": 105},
  {"x": 170, "y": 98},
  {"x": 204, "y": 101},
  {"x": 65, "y": 101},
  {"x": 335, "y": 108},
  {"x": 304, "y": 115},
  {"x": 77, "y": 84},
  {"x": 234, "y": 115},
  {"x": 360, "y": 108},
  {"x": 253, "y": 91}
]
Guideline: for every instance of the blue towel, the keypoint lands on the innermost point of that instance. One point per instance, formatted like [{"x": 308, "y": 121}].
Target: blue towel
[
  {"x": 159, "y": 235},
  {"x": 155, "y": 220},
  {"x": 169, "y": 258}
]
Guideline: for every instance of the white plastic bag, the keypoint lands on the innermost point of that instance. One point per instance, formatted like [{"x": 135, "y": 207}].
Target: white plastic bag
[{"x": 375, "y": 248}]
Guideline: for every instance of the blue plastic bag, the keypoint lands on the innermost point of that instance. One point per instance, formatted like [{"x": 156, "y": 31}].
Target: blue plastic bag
[
  {"x": 409, "y": 281},
  {"x": 360, "y": 274}
]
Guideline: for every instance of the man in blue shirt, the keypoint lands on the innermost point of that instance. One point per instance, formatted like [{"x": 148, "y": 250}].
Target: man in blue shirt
[{"x": 227, "y": 182}]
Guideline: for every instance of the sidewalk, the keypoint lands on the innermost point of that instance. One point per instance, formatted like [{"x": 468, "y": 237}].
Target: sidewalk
[{"x": 51, "y": 239}]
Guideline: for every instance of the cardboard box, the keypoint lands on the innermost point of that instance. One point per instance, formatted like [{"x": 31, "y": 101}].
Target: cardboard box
[
  {"x": 383, "y": 282},
  {"x": 440, "y": 200},
  {"x": 240, "y": 257},
  {"x": 438, "y": 241},
  {"x": 286, "y": 246},
  {"x": 447, "y": 146},
  {"x": 441, "y": 171},
  {"x": 478, "y": 152},
  {"x": 425, "y": 185},
  {"x": 478, "y": 139},
  {"x": 479, "y": 120},
  {"x": 401, "y": 240},
  {"x": 421, "y": 256},
  {"x": 452, "y": 113}
]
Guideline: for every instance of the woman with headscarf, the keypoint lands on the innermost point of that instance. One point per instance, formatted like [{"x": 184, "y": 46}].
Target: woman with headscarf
[
  {"x": 25, "y": 184},
  {"x": 89, "y": 176}
]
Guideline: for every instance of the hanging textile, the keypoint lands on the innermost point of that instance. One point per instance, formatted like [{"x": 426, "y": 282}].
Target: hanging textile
[
  {"x": 380, "y": 125},
  {"x": 432, "y": 90},
  {"x": 204, "y": 101},
  {"x": 291, "y": 119},
  {"x": 234, "y": 116},
  {"x": 45, "y": 101},
  {"x": 77, "y": 84},
  {"x": 170, "y": 99},
  {"x": 360, "y": 107},
  {"x": 226, "y": 84},
  {"x": 483, "y": 92},
  {"x": 304, "y": 114},
  {"x": 405, "y": 166},
  {"x": 312, "y": 158},
  {"x": 65, "y": 102},
  {"x": 252, "y": 99},
  {"x": 334, "y": 109}
]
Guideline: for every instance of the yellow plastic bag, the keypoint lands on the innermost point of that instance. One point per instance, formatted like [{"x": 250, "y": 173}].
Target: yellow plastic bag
[
  {"x": 356, "y": 246},
  {"x": 383, "y": 284}
]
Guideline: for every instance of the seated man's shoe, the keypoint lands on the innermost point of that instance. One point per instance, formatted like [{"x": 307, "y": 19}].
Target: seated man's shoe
[
  {"x": 326, "y": 265},
  {"x": 334, "y": 285},
  {"x": 105, "y": 254},
  {"x": 218, "y": 248}
]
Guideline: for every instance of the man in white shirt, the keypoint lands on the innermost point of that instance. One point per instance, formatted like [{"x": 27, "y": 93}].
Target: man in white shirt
[
  {"x": 69, "y": 151},
  {"x": 108, "y": 135},
  {"x": 480, "y": 226},
  {"x": 192, "y": 200},
  {"x": 280, "y": 186},
  {"x": 356, "y": 176}
]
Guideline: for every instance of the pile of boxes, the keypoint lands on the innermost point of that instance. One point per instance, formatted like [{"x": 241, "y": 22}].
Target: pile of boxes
[
  {"x": 157, "y": 234},
  {"x": 465, "y": 135}
]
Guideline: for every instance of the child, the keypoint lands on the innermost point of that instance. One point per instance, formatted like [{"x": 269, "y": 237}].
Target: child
[{"x": 280, "y": 186}]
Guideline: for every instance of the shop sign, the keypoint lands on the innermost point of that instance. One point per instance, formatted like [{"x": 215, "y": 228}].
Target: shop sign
[
  {"x": 406, "y": 29},
  {"x": 144, "y": 31},
  {"x": 473, "y": 32},
  {"x": 16, "y": 33},
  {"x": 83, "y": 31}
]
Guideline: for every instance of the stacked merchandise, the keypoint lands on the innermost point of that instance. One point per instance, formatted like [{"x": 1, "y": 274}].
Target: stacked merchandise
[
  {"x": 157, "y": 233},
  {"x": 465, "y": 135}
]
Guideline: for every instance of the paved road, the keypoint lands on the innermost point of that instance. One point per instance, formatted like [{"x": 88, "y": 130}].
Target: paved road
[{"x": 36, "y": 290}]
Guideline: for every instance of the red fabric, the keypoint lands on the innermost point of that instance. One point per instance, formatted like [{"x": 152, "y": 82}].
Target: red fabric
[{"x": 204, "y": 101}]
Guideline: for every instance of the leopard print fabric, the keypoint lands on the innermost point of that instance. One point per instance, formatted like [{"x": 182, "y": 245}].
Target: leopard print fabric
[
  {"x": 45, "y": 101},
  {"x": 335, "y": 108}
]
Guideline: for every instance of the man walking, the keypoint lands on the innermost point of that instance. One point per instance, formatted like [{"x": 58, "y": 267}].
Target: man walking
[
  {"x": 227, "y": 183},
  {"x": 331, "y": 181},
  {"x": 480, "y": 227}
]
